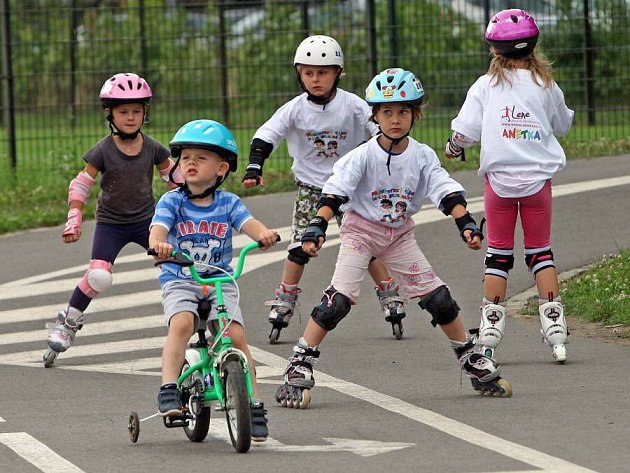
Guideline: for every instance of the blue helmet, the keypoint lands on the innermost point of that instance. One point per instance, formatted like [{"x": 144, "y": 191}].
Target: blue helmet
[
  {"x": 394, "y": 85},
  {"x": 206, "y": 134}
]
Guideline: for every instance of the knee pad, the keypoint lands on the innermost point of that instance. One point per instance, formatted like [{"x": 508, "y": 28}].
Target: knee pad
[
  {"x": 441, "y": 306},
  {"x": 333, "y": 308},
  {"x": 499, "y": 261},
  {"x": 97, "y": 278},
  {"x": 298, "y": 256},
  {"x": 537, "y": 259}
]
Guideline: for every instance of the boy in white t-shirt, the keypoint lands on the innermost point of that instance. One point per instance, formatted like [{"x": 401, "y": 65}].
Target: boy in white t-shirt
[
  {"x": 391, "y": 166},
  {"x": 516, "y": 110},
  {"x": 320, "y": 125}
]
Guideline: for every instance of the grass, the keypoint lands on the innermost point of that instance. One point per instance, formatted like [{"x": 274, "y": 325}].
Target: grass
[{"x": 601, "y": 294}]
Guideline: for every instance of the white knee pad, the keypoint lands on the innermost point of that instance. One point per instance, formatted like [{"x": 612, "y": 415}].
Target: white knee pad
[
  {"x": 553, "y": 324},
  {"x": 492, "y": 324},
  {"x": 97, "y": 278}
]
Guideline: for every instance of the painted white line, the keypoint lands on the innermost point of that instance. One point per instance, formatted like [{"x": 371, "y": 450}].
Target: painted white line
[
  {"x": 364, "y": 448},
  {"x": 37, "y": 454}
]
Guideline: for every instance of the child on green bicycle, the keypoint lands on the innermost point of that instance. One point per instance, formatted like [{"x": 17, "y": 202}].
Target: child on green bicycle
[{"x": 198, "y": 219}]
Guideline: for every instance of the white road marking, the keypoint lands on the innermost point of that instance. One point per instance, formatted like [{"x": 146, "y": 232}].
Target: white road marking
[
  {"x": 364, "y": 448},
  {"x": 37, "y": 454}
]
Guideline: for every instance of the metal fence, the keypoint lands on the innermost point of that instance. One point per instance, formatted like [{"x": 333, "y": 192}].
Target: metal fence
[{"x": 232, "y": 61}]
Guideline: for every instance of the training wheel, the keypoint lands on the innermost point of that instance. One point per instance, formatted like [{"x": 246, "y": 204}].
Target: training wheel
[
  {"x": 273, "y": 335},
  {"x": 133, "y": 427}
]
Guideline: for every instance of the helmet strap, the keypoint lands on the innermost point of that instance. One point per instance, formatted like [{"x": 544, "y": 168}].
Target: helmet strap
[{"x": 394, "y": 142}]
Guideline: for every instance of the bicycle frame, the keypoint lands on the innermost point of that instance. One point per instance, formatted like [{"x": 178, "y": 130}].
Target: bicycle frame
[{"x": 212, "y": 358}]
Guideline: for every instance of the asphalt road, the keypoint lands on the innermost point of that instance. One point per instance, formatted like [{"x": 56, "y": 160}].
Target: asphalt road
[{"x": 379, "y": 404}]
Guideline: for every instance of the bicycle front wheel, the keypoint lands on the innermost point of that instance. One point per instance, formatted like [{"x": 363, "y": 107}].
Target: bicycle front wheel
[{"x": 237, "y": 408}]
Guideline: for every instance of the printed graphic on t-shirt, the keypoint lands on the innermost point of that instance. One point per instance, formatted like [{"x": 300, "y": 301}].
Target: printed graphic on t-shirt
[
  {"x": 203, "y": 241},
  {"x": 326, "y": 142},
  {"x": 392, "y": 203},
  {"x": 518, "y": 124}
]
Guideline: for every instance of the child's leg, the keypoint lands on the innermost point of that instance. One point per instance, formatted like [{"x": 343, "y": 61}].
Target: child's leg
[
  {"x": 181, "y": 327},
  {"x": 239, "y": 340},
  {"x": 387, "y": 291},
  {"x": 536, "y": 212}
]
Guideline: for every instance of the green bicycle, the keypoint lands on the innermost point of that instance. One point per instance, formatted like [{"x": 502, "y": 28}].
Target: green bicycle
[{"x": 212, "y": 373}]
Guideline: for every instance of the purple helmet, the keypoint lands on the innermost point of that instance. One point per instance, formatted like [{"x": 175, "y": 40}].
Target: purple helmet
[
  {"x": 125, "y": 87},
  {"x": 512, "y": 33}
]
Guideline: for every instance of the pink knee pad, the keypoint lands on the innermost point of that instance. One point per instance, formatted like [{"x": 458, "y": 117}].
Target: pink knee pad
[{"x": 97, "y": 278}]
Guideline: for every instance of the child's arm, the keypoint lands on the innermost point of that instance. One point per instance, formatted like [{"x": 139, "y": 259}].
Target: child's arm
[
  {"x": 259, "y": 151},
  {"x": 470, "y": 233},
  {"x": 257, "y": 231},
  {"x": 315, "y": 234},
  {"x": 78, "y": 192},
  {"x": 455, "y": 145},
  {"x": 164, "y": 168},
  {"x": 157, "y": 241}
]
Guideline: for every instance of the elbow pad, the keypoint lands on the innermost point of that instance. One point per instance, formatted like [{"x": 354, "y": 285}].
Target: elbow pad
[
  {"x": 461, "y": 140},
  {"x": 448, "y": 203},
  {"x": 333, "y": 202},
  {"x": 171, "y": 175},
  {"x": 80, "y": 187}
]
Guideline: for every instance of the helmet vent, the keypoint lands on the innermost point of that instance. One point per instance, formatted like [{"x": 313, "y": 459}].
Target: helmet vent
[
  {"x": 323, "y": 54},
  {"x": 400, "y": 86},
  {"x": 130, "y": 85},
  {"x": 121, "y": 87},
  {"x": 514, "y": 18}
]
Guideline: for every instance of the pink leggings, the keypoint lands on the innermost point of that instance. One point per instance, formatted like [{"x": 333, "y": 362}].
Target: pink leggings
[{"x": 501, "y": 213}]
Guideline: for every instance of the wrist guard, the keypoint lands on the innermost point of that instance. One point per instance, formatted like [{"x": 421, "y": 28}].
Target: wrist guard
[
  {"x": 316, "y": 229},
  {"x": 258, "y": 152},
  {"x": 467, "y": 222}
]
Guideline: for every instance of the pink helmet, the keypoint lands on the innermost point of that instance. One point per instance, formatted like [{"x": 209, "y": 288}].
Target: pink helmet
[
  {"x": 125, "y": 87},
  {"x": 513, "y": 33}
]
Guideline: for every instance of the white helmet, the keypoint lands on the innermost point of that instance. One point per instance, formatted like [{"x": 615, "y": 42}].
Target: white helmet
[{"x": 319, "y": 50}]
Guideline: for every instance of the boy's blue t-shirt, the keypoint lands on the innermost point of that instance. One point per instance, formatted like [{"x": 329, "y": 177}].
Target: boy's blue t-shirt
[{"x": 204, "y": 233}]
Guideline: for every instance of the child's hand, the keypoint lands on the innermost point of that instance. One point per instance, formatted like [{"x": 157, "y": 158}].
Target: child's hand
[
  {"x": 452, "y": 151},
  {"x": 473, "y": 243},
  {"x": 268, "y": 238},
  {"x": 311, "y": 248},
  {"x": 72, "y": 230},
  {"x": 164, "y": 250}
]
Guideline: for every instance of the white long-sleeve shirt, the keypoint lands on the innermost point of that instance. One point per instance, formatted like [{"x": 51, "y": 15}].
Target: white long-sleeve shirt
[
  {"x": 317, "y": 136},
  {"x": 374, "y": 194},
  {"x": 517, "y": 126}
]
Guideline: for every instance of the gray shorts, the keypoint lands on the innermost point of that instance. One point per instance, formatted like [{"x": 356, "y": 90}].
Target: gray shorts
[{"x": 182, "y": 296}]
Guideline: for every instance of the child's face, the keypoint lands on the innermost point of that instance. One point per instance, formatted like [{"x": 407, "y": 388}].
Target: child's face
[
  {"x": 128, "y": 117},
  {"x": 394, "y": 119},
  {"x": 201, "y": 167},
  {"x": 318, "y": 80}
]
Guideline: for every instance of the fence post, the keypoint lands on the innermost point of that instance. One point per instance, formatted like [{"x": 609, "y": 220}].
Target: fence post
[
  {"x": 393, "y": 33},
  {"x": 144, "y": 59},
  {"x": 305, "y": 20},
  {"x": 370, "y": 18},
  {"x": 73, "y": 62},
  {"x": 588, "y": 65},
  {"x": 225, "y": 105},
  {"x": 9, "y": 99}
]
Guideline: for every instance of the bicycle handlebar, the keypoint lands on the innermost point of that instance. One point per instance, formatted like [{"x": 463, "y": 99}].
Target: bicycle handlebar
[{"x": 182, "y": 259}]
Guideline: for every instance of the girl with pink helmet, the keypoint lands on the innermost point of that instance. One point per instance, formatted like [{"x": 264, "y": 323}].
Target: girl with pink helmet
[
  {"x": 126, "y": 159},
  {"x": 517, "y": 111}
]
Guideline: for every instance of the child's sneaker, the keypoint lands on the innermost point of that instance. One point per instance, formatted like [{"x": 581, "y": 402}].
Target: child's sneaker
[
  {"x": 260, "y": 432},
  {"x": 169, "y": 401}
]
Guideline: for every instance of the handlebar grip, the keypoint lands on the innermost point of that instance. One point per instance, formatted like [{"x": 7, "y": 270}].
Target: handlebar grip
[
  {"x": 151, "y": 252},
  {"x": 260, "y": 245}
]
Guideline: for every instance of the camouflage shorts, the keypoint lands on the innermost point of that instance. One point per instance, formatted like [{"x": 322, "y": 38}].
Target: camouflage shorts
[{"x": 305, "y": 209}]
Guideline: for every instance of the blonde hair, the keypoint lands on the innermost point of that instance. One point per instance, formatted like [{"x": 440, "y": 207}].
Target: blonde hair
[{"x": 537, "y": 64}]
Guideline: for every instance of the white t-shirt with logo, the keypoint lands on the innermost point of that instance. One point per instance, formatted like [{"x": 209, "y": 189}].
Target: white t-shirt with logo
[
  {"x": 517, "y": 126},
  {"x": 318, "y": 135},
  {"x": 390, "y": 198}
]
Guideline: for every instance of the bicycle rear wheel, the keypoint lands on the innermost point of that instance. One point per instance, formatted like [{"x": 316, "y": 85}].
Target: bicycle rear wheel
[
  {"x": 237, "y": 409},
  {"x": 197, "y": 428}
]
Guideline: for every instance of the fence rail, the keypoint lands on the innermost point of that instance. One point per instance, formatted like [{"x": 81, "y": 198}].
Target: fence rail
[{"x": 232, "y": 61}]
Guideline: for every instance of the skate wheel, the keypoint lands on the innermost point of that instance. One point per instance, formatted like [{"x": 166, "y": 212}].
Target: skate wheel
[
  {"x": 397, "y": 329},
  {"x": 49, "y": 358},
  {"x": 305, "y": 399},
  {"x": 273, "y": 335},
  {"x": 133, "y": 427},
  {"x": 506, "y": 386},
  {"x": 560, "y": 354}
]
